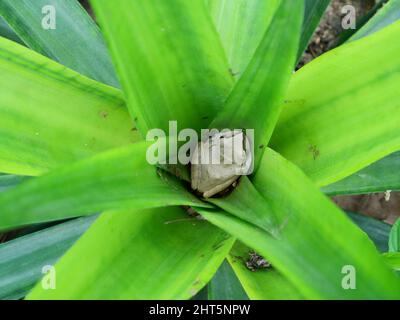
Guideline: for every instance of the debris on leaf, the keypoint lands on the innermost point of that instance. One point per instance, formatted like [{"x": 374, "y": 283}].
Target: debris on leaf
[
  {"x": 314, "y": 150},
  {"x": 191, "y": 212},
  {"x": 256, "y": 262},
  {"x": 387, "y": 195}
]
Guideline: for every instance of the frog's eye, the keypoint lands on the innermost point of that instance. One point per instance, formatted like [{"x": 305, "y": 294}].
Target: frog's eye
[{"x": 219, "y": 161}]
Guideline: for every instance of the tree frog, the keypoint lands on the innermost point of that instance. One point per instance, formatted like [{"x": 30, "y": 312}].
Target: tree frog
[{"x": 219, "y": 160}]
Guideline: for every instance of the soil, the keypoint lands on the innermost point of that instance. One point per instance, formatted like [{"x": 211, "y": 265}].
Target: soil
[{"x": 382, "y": 206}]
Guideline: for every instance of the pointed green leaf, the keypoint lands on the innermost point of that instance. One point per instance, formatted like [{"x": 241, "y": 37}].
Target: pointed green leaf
[
  {"x": 380, "y": 176},
  {"x": 261, "y": 284},
  {"x": 394, "y": 237},
  {"x": 388, "y": 14},
  {"x": 313, "y": 12},
  {"x": 22, "y": 259},
  {"x": 225, "y": 285},
  {"x": 377, "y": 231},
  {"x": 361, "y": 20},
  {"x": 50, "y": 115},
  {"x": 152, "y": 254},
  {"x": 241, "y": 25},
  {"x": 8, "y": 181},
  {"x": 255, "y": 102},
  {"x": 392, "y": 259},
  {"x": 169, "y": 60},
  {"x": 331, "y": 134},
  {"x": 75, "y": 41},
  {"x": 7, "y": 32},
  {"x": 317, "y": 244},
  {"x": 117, "y": 179}
]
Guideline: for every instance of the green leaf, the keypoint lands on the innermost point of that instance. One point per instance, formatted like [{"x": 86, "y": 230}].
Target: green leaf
[
  {"x": 9, "y": 181},
  {"x": 169, "y": 58},
  {"x": 50, "y": 115},
  {"x": 331, "y": 134},
  {"x": 361, "y": 21},
  {"x": 117, "y": 179},
  {"x": 255, "y": 102},
  {"x": 7, "y": 32},
  {"x": 313, "y": 12},
  {"x": 249, "y": 205},
  {"x": 22, "y": 259},
  {"x": 392, "y": 259},
  {"x": 225, "y": 285},
  {"x": 153, "y": 254},
  {"x": 76, "y": 41},
  {"x": 387, "y": 15},
  {"x": 316, "y": 241},
  {"x": 380, "y": 176},
  {"x": 261, "y": 284},
  {"x": 201, "y": 295},
  {"x": 394, "y": 237},
  {"x": 377, "y": 231},
  {"x": 241, "y": 25}
]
